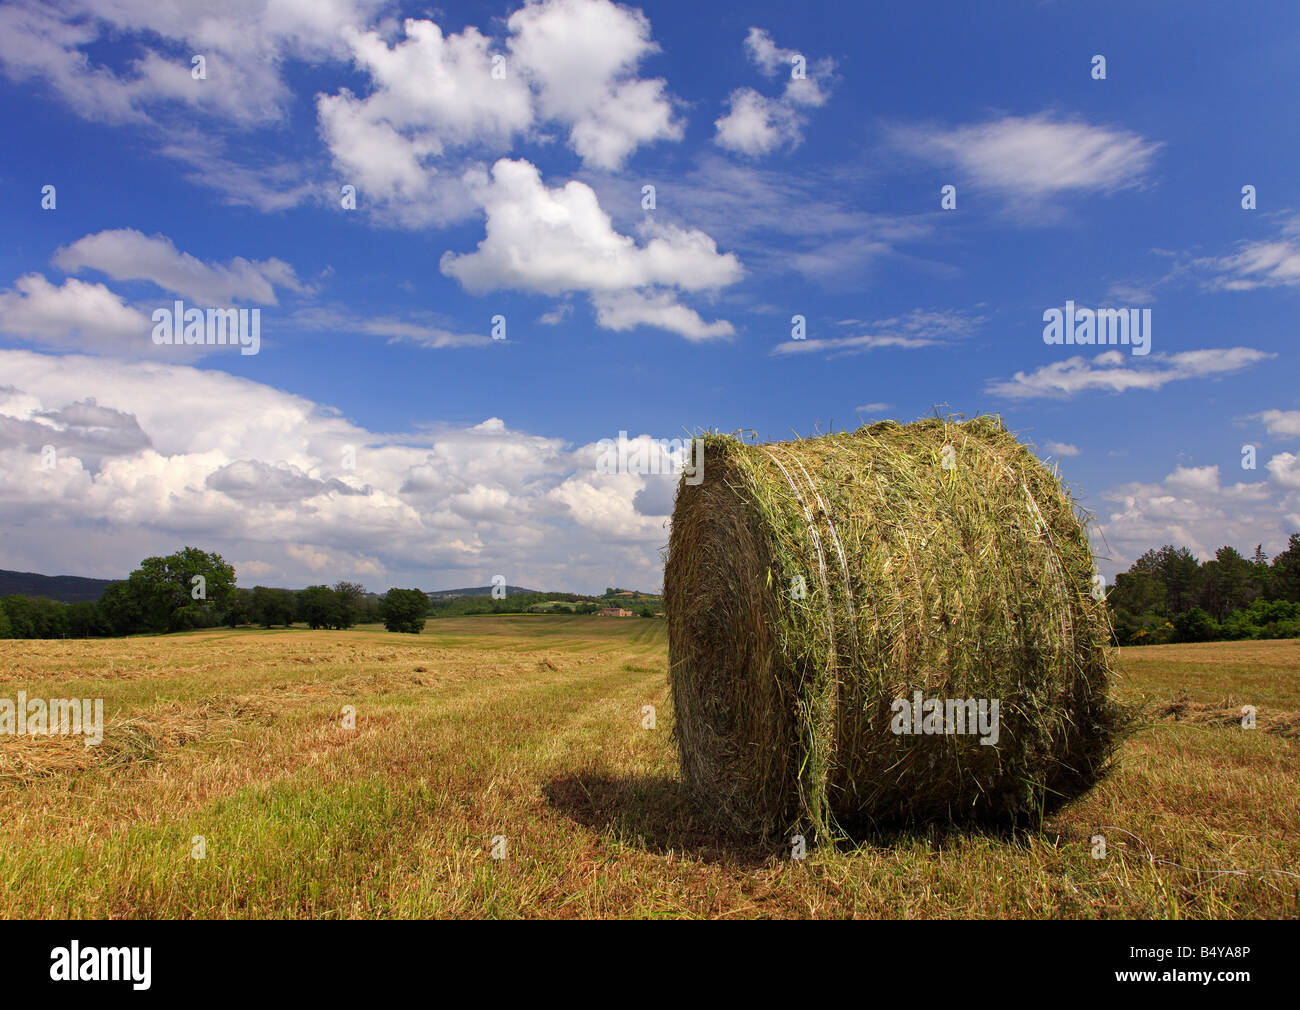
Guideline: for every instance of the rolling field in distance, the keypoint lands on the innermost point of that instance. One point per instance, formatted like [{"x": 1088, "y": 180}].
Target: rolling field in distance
[{"x": 531, "y": 728}]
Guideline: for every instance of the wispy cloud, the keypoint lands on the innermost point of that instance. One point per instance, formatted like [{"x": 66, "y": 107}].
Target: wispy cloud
[
  {"x": 747, "y": 208},
  {"x": 917, "y": 329},
  {"x": 1264, "y": 263},
  {"x": 1112, "y": 371},
  {"x": 424, "y": 332},
  {"x": 1035, "y": 156}
]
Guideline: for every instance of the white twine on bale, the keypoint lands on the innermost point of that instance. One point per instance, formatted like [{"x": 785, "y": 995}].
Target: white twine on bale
[
  {"x": 817, "y": 542},
  {"x": 820, "y": 737},
  {"x": 1054, "y": 561},
  {"x": 844, "y": 566},
  {"x": 1040, "y": 523}
]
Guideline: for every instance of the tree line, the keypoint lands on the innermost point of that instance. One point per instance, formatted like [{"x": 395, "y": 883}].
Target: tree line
[
  {"x": 194, "y": 589},
  {"x": 1169, "y": 596}
]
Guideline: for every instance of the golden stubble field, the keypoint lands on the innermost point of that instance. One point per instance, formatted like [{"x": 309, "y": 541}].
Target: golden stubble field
[{"x": 233, "y": 744}]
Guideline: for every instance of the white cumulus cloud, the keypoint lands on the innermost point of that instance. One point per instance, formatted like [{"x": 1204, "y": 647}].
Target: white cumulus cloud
[
  {"x": 756, "y": 124},
  {"x": 153, "y": 456},
  {"x": 73, "y": 315},
  {"x": 437, "y": 101},
  {"x": 558, "y": 240},
  {"x": 127, "y": 255}
]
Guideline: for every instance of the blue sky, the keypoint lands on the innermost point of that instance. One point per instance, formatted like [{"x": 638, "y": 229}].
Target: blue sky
[{"x": 521, "y": 195}]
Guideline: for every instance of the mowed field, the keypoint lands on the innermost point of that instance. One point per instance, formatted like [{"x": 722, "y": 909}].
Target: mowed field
[{"x": 531, "y": 728}]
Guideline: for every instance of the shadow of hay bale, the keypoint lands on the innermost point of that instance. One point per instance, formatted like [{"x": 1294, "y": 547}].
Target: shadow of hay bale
[
  {"x": 651, "y": 812},
  {"x": 937, "y": 835},
  {"x": 655, "y": 813}
]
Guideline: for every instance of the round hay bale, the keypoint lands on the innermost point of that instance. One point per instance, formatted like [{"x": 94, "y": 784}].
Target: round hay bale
[{"x": 813, "y": 586}]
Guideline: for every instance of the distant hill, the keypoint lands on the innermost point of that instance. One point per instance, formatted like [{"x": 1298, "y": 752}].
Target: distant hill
[
  {"x": 64, "y": 588},
  {"x": 622, "y": 595},
  {"x": 479, "y": 601},
  {"x": 449, "y": 594}
]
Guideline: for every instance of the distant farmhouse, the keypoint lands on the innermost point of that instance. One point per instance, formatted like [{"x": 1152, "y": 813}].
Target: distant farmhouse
[{"x": 614, "y": 612}]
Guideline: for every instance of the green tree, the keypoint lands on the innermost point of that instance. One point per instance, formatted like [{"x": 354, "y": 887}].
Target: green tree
[
  {"x": 1261, "y": 581},
  {"x": 123, "y": 608},
  {"x": 1238, "y": 576},
  {"x": 404, "y": 610},
  {"x": 1137, "y": 592},
  {"x": 35, "y": 617},
  {"x": 1286, "y": 572},
  {"x": 1195, "y": 626},
  {"x": 240, "y": 609},
  {"x": 18, "y": 613},
  {"x": 85, "y": 620},
  {"x": 1227, "y": 583},
  {"x": 319, "y": 607},
  {"x": 1178, "y": 569},
  {"x": 186, "y": 589},
  {"x": 351, "y": 598},
  {"x": 272, "y": 606}
]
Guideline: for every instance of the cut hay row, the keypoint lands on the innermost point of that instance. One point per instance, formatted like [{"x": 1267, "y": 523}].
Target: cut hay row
[{"x": 811, "y": 583}]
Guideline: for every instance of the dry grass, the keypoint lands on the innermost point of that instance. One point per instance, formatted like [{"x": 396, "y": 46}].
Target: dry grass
[
  {"x": 532, "y": 728},
  {"x": 811, "y": 583}
]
